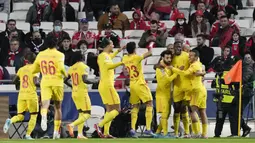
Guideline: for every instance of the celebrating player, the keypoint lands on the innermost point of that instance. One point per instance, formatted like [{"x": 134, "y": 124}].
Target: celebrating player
[
  {"x": 138, "y": 87},
  {"x": 79, "y": 74},
  {"x": 27, "y": 99},
  {"x": 106, "y": 88},
  {"x": 198, "y": 95},
  {"x": 181, "y": 93},
  {"x": 163, "y": 95},
  {"x": 50, "y": 63}
]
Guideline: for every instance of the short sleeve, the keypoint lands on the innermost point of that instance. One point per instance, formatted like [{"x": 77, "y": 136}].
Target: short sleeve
[
  {"x": 86, "y": 70},
  {"x": 139, "y": 58}
]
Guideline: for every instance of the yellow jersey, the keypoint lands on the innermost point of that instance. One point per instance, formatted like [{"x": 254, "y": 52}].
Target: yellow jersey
[
  {"x": 133, "y": 64},
  {"x": 76, "y": 71},
  {"x": 50, "y": 63},
  {"x": 164, "y": 79},
  {"x": 178, "y": 61},
  {"x": 27, "y": 86},
  {"x": 196, "y": 81},
  {"x": 106, "y": 67}
]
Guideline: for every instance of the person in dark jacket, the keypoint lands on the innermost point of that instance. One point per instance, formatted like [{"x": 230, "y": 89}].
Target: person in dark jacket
[
  {"x": 180, "y": 27},
  {"x": 109, "y": 34},
  {"x": 223, "y": 5},
  {"x": 35, "y": 27},
  {"x": 94, "y": 8},
  {"x": 153, "y": 38},
  {"x": 58, "y": 32},
  {"x": 66, "y": 49},
  {"x": 205, "y": 53},
  {"x": 36, "y": 12},
  {"x": 64, "y": 12},
  {"x": 250, "y": 45},
  {"x": 36, "y": 44},
  {"x": 238, "y": 45}
]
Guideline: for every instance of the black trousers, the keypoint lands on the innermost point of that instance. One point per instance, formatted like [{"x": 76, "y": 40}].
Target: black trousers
[
  {"x": 247, "y": 96},
  {"x": 230, "y": 110}
]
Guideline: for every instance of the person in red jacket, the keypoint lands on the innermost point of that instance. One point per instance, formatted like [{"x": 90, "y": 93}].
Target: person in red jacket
[
  {"x": 216, "y": 25},
  {"x": 138, "y": 23},
  {"x": 180, "y": 27}
]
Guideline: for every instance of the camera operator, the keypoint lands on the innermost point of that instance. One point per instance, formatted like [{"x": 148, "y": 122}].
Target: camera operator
[
  {"x": 248, "y": 78},
  {"x": 223, "y": 96}
]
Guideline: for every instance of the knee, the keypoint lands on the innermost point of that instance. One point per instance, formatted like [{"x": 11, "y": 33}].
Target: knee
[{"x": 165, "y": 115}]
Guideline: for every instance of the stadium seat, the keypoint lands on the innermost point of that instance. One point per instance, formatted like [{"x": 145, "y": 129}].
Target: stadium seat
[
  {"x": 3, "y": 17},
  {"x": 92, "y": 51},
  {"x": 244, "y": 13},
  {"x": 8, "y": 87},
  {"x": 118, "y": 32},
  {"x": 150, "y": 77},
  {"x": 170, "y": 40},
  {"x": 70, "y": 32},
  {"x": 192, "y": 41},
  {"x": 25, "y": 27},
  {"x": 152, "y": 60},
  {"x": 152, "y": 86},
  {"x": 183, "y": 4},
  {"x": 141, "y": 51},
  {"x": 75, "y": 5},
  {"x": 169, "y": 23},
  {"x": 93, "y": 25},
  {"x": 11, "y": 70},
  {"x": 116, "y": 59},
  {"x": 124, "y": 42},
  {"x": 134, "y": 33},
  {"x": 2, "y": 27},
  {"x": 186, "y": 13},
  {"x": 70, "y": 26},
  {"x": 249, "y": 32},
  {"x": 217, "y": 51},
  {"x": 129, "y": 14},
  {"x": 18, "y": 15},
  {"x": 97, "y": 112},
  {"x": 47, "y": 26},
  {"x": 120, "y": 54},
  {"x": 22, "y": 6},
  {"x": 81, "y": 15},
  {"x": 244, "y": 23},
  {"x": 118, "y": 70},
  {"x": 148, "y": 69},
  {"x": 157, "y": 51}
]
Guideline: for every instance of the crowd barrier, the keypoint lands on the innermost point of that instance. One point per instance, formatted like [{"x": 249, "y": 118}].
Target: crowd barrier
[{"x": 70, "y": 113}]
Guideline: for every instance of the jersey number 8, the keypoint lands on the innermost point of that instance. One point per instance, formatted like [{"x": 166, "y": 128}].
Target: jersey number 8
[
  {"x": 48, "y": 67},
  {"x": 25, "y": 81}
]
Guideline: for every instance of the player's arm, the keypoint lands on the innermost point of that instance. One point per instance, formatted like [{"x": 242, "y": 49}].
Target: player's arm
[
  {"x": 61, "y": 64},
  {"x": 114, "y": 54},
  {"x": 147, "y": 54},
  {"x": 66, "y": 81},
  {"x": 36, "y": 66},
  {"x": 88, "y": 81},
  {"x": 109, "y": 65},
  {"x": 164, "y": 78},
  {"x": 191, "y": 70}
]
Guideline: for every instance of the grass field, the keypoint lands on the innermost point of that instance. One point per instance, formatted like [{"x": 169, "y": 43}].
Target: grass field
[{"x": 211, "y": 140}]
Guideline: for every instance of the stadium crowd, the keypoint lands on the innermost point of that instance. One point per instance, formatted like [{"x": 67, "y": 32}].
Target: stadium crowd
[{"x": 212, "y": 23}]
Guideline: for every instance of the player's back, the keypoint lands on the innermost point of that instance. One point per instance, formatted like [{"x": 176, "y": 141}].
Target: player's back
[
  {"x": 133, "y": 64},
  {"x": 50, "y": 63},
  {"x": 196, "y": 81},
  {"x": 178, "y": 61},
  {"x": 76, "y": 72},
  {"x": 27, "y": 86},
  {"x": 106, "y": 75}
]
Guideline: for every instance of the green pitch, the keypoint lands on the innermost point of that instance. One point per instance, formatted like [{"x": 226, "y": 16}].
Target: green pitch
[{"x": 222, "y": 140}]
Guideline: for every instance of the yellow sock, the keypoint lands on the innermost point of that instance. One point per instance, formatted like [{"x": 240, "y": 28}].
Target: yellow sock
[
  {"x": 176, "y": 123},
  {"x": 57, "y": 124},
  {"x": 44, "y": 112},
  {"x": 108, "y": 117},
  {"x": 185, "y": 120},
  {"x": 107, "y": 128},
  {"x": 195, "y": 128},
  {"x": 199, "y": 126},
  {"x": 81, "y": 119},
  {"x": 80, "y": 129},
  {"x": 164, "y": 122},
  {"x": 31, "y": 124},
  {"x": 17, "y": 118},
  {"x": 148, "y": 116},
  {"x": 204, "y": 129},
  {"x": 159, "y": 129},
  {"x": 134, "y": 116}
]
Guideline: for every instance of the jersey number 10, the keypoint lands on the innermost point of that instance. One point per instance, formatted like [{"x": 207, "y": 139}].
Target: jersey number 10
[
  {"x": 75, "y": 79},
  {"x": 48, "y": 67}
]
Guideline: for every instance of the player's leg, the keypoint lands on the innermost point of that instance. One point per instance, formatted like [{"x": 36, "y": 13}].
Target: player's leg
[
  {"x": 194, "y": 120},
  {"x": 185, "y": 118},
  {"x": 33, "y": 109},
  {"x": 165, "y": 116},
  {"x": 204, "y": 122},
  {"x": 159, "y": 109},
  {"x": 46, "y": 94},
  {"x": 21, "y": 107},
  {"x": 135, "y": 102},
  {"x": 177, "y": 117}
]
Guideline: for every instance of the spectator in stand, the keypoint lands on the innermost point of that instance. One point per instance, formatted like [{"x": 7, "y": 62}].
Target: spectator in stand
[
  {"x": 84, "y": 34},
  {"x": 156, "y": 17},
  {"x": 153, "y": 38},
  {"x": 200, "y": 25},
  {"x": 237, "y": 4},
  {"x": 207, "y": 15},
  {"x": 238, "y": 45},
  {"x": 195, "y": 4},
  {"x": 4, "y": 74},
  {"x": 250, "y": 45},
  {"x": 121, "y": 84},
  {"x": 223, "y": 5},
  {"x": 83, "y": 47},
  {"x": 35, "y": 27},
  {"x": 224, "y": 34},
  {"x": 180, "y": 27},
  {"x": 11, "y": 25},
  {"x": 109, "y": 34},
  {"x": 4, "y": 6},
  {"x": 216, "y": 25},
  {"x": 94, "y": 8},
  {"x": 14, "y": 55},
  {"x": 36, "y": 44},
  {"x": 66, "y": 49},
  {"x": 205, "y": 53},
  {"x": 64, "y": 12},
  {"x": 138, "y": 22},
  {"x": 58, "y": 32},
  {"x": 118, "y": 20},
  {"x": 37, "y": 11},
  {"x": 163, "y": 7}
]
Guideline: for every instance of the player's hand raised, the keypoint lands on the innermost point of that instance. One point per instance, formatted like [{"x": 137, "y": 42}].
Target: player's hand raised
[{"x": 122, "y": 48}]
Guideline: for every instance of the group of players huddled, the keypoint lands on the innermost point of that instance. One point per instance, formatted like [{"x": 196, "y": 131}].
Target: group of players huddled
[{"x": 179, "y": 77}]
